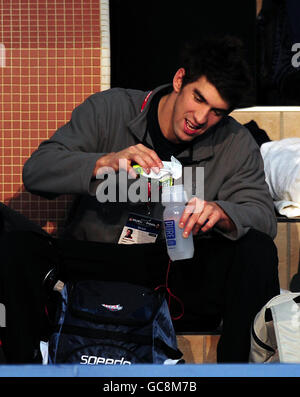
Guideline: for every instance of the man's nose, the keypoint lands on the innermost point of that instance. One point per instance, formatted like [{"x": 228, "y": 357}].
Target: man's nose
[{"x": 201, "y": 115}]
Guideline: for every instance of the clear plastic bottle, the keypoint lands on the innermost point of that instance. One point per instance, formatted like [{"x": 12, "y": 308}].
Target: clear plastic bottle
[{"x": 174, "y": 199}]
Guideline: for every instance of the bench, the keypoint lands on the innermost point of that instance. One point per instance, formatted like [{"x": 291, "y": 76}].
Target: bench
[{"x": 200, "y": 347}]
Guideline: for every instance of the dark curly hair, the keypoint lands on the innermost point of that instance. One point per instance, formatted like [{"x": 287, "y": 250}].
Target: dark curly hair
[{"x": 222, "y": 61}]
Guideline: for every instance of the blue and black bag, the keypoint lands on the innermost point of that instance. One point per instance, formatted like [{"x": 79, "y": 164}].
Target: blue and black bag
[{"x": 113, "y": 323}]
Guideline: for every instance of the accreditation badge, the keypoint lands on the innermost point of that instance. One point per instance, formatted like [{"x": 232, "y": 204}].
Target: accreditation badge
[{"x": 140, "y": 229}]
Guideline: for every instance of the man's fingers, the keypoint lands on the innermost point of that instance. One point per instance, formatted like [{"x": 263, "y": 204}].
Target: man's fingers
[
  {"x": 198, "y": 215},
  {"x": 190, "y": 224},
  {"x": 144, "y": 161},
  {"x": 126, "y": 165},
  {"x": 145, "y": 157},
  {"x": 140, "y": 154},
  {"x": 209, "y": 223},
  {"x": 151, "y": 156},
  {"x": 194, "y": 206}
]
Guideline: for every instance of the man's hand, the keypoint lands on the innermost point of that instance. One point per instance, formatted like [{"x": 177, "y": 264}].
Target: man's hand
[
  {"x": 204, "y": 215},
  {"x": 139, "y": 154}
]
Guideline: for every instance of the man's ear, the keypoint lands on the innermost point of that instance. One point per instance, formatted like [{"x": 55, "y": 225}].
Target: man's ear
[{"x": 177, "y": 80}]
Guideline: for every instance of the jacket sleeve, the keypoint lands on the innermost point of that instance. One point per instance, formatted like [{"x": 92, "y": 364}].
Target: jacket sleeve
[
  {"x": 245, "y": 196},
  {"x": 64, "y": 163}
]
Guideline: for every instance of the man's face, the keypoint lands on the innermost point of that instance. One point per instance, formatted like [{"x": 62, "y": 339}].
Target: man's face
[{"x": 197, "y": 107}]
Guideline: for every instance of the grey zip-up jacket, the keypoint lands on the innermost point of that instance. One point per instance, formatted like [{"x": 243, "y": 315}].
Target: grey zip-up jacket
[{"x": 112, "y": 120}]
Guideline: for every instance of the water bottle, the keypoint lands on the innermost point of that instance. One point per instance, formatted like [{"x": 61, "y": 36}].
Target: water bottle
[{"x": 178, "y": 247}]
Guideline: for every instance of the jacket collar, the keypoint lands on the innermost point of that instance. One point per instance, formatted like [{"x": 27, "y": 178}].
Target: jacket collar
[
  {"x": 138, "y": 126},
  {"x": 200, "y": 149}
]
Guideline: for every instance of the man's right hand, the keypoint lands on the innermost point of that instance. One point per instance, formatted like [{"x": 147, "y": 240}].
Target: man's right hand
[{"x": 139, "y": 154}]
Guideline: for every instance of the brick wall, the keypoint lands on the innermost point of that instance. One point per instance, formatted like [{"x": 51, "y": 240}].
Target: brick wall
[{"x": 52, "y": 55}]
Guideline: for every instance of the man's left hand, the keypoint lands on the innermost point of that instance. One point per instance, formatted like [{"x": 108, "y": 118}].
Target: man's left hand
[{"x": 204, "y": 215}]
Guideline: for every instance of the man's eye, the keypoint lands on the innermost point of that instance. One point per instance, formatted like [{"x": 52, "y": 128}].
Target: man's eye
[
  {"x": 218, "y": 113},
  {"x": 197, "y": 98}
]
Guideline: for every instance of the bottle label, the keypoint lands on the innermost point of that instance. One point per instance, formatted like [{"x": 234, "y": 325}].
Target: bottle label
[{"x": 170, "y": 233}]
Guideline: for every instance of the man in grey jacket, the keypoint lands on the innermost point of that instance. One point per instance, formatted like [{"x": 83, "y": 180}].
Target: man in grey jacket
[{"x": 234, "y": 269}]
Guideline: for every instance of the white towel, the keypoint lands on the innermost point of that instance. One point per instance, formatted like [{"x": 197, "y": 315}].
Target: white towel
[{"x": 282, "y": 169}]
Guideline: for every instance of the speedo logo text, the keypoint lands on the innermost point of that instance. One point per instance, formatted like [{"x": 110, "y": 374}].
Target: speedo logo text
[{"x": 94, "y": 360}]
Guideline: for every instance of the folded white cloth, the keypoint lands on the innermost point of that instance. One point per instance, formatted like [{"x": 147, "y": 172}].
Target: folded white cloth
[
  {"x": 282, "y": 169},
  {"x": 171, "y": 168},
  {"x": 288, "y": 208}
]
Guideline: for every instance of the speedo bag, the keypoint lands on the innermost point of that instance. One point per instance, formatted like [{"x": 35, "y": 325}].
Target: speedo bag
[
  {"x": 276, "y": 330},
  {"x": 112, "y": 323}
]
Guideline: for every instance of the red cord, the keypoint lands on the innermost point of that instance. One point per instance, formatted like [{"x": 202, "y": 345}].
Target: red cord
[{"x": 171, "y": 295}]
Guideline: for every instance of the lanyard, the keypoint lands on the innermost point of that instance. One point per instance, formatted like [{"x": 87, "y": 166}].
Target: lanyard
[
  {"x": 145, "y": 101},
  {"x": 149, "y": 182},
  {"x": 171, "y": 295}
]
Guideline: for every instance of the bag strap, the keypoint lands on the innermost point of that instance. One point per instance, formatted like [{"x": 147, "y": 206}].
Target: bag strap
[
  {"x": 286, "y": 320},
  {"x": 260, "y": 343}
]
